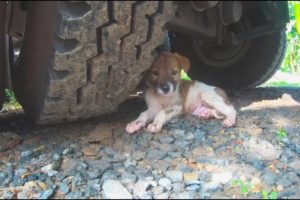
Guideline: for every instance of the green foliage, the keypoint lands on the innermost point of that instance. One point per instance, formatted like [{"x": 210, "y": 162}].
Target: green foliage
[
  {"x": 266, "y": 195},
  {"x": 291, "y": 62},
  {"x": 281, "y": 133},
  {"x": 244, "y": 187},
  {"x": 283, "y": 84},
  {"x": 10, "y": 96}
]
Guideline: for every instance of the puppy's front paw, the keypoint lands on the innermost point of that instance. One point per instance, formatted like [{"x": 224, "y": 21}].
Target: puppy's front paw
[
  {"x": 134, "y": 126},
  {"x": 154, "y": 127},
  {"x": 229, "y": 122}
]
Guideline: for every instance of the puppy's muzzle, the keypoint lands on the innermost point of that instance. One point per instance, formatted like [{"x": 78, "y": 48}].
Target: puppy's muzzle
[{"x": 166, "y": 88}]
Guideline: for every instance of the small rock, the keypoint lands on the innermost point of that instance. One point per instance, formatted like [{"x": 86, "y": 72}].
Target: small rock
[
  {"x": 46, "y": 194},
  {"x": 93, "y": 174},
  {"x": 166, "y": 140},
  {"x": 8, "y": 195},
  {"x": 140, "y": 189},
  {"x": 113, "y": 189},
  {"x": 138, "y": 155},
  {"x": 262, "y": 150},
  {"x": 190, "y": 136},
  {"x": 190, "y": 176},
  {"x": 284, "y": 182},
  {"x": 158, "y": 190},
  {"x": 210, "y": 187},
  {"x": 223, "y": 177},
  {"x": 56, "y": 157},
  {"x": 129, "y": 163},
  {"x": 108, "y": 175},
  {"x": 128, "y": 178},
  {"x": 89, "y": 152},
  {"x": 162, "y": 196},
  {"x": 179, "y": 133},
  {"x": 175, "y": 175},
  {"x": 155, "y": 154},
  {"x": 165, "y": 182},
  {"x": 176, "y": 187},
  {"x": 185, "y": 195},
  {"x": 47, "y": 168},
  {"x": 199, "y": 134},
  {"x": 64, "y": 188},
  {"x": 192, "y": 187},
  {"x": 25, "y": 154},
  {"x": 269, "y": 178},
  {"x": 20, "y": 171},
  {"x": 67, "y": 151},
  {"x": 52, "y": 173}
]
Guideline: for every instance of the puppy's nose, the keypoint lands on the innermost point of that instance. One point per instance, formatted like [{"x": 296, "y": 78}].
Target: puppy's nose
[{"x": 165, "y": 87}]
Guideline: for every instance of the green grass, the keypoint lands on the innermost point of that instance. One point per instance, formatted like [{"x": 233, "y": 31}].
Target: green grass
[
  {"x": 11, "y": 102},
  {"x": 281, "y": 133},
  {"x": 282, "y": 84}
]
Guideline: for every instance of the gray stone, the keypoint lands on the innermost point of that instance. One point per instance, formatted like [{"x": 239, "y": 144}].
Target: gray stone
[
  {"x": 25, "y": 154},
  {"x": 56, "y": 157},
  {"x": 46, "y": 194},
  {"x": 7, "y": 195},
  {"x": 284, "y": 182},
  {"x": 192, "y": 187},
  {"x": 48, "y": 168},
  {"x": 67, "y": 151},
  {"x": 140, "y": 189},
  {"x": 128, "y": 178},
  {"x": 64, "y": 188},
  {"x": 100, "y": 165},
  {"x": 210, "y": 187},
  {"x": 223, "y": 177},
  {"x": 175, "y": 175},
  {"x": 138, "y": 155},
  {"x": 20, "y": 171},
  {"x": 199, "y": 134},
  {"x": 177, "y": 187},
  {"x": 162, "y": 196},
  {"x": 129, "y": 163},
  {"x": 158, "y": 190},
  {"x": 113, "y": 189},
  {"x": 93, "y": 174},
  {"x": 184, "y": 195},
  {"x": 155, "y": 154},
  {"x": 269, "y": 178},
  {"x": 262, "y": 150},
  {"x": 52, "y": 173},
  {"x": 178, "y": 133},
  {"x": 166, "y": 140},
  {"x": 109, "y": 175},
  {"x": 165, "y": 182},
  {"x": 190, "y": 136}
]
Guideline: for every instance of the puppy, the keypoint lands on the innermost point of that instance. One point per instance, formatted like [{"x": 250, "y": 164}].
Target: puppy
[{"x": 167, "y": 96}]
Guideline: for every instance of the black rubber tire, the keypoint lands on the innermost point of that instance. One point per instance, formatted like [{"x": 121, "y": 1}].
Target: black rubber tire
[
  {"x": 262, "y": 59},
  {"x": 100, "y": 51}
]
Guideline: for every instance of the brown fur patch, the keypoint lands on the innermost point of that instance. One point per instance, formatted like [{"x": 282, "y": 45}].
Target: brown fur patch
[
  {"x": 221, "y": 92},
  {"x": 184, "y": 88}
]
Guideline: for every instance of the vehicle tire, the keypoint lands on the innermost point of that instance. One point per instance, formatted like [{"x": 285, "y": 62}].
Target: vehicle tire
[
  {"x": 252, "y": 63},
  {"x": 99, "y": 52}
]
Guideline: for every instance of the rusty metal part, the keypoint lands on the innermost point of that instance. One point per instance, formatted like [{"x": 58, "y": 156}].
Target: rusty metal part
[
  {"x": 192, "y": 23},
  {"x": 202, "y": 5}
]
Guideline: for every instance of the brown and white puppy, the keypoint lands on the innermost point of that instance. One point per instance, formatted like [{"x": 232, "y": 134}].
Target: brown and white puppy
[{"x": 167, "y": 96}]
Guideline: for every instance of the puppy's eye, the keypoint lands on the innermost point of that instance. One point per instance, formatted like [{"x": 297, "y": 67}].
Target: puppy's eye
[
  {"x": 155, "y": 73},
  {"x": 174, "y": 72}
]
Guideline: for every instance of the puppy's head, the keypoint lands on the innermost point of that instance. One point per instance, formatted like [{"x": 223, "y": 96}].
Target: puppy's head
[{"x": 164, "y": 74}]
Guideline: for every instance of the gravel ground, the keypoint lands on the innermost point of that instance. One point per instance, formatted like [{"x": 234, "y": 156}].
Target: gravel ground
[{"x": 188, "y": 159}]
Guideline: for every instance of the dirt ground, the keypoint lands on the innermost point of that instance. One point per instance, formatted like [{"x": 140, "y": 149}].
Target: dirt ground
[{"x": 259, "y": 158}]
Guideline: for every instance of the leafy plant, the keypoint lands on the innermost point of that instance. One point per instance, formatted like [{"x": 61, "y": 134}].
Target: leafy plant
[
  {"x": 281, "y": 133},
  {"x": 266, "y": 195},
  {"x": 244, "y": 187},
  {"x": 10, "y": 96},
  {"x": 291, "y": 62}
]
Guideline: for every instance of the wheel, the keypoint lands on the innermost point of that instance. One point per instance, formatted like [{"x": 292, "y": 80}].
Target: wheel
[
  {"x": 247, "y": 64},
  {"x": 97, "y": 55}
]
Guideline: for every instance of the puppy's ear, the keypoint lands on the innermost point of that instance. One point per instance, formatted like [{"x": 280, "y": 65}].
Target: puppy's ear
[{"x": 183, "y": 61}]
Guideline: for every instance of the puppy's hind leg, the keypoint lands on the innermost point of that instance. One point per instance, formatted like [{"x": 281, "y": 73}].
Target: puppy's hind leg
[
  {"x": 220, "y": 106},
  {"x": 141, "y": 121}
]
